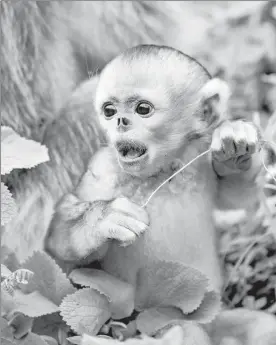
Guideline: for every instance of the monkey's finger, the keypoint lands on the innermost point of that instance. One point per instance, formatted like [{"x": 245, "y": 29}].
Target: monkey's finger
[
  {"x": 128, "y": 207},
  {"x": 227, "y": 135},
  {"x": 113, "y": 231},
  {"x": 216, "y": 146},
  {"x": 252, "y": 138},
  {"x": 240, "y": 138},
  {"x": 127, "y": 222}
]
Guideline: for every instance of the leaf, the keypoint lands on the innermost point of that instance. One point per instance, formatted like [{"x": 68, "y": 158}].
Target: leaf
[
  {"x": 75, "y": 340},
  {"x": 3, "y": 323},
  {"x": 7, "y": 302},
  {"x": 208, "y": 309},
  {"x": 49, "y": 340},
  {"x": 21, "y": 324},
  {"x": 152, "y": 320},
  {"x": 85, "y": 311},
  {"x": 5, "y": 272},
  {"x": 170, "y": 284},
  {"x": 48, "y": 278},
  {"x": 7, "y": 337},
  {"x": 174, "y": 336},
  {"x": 18, "y": 152},
  {"x": 32, "y": 339},
  {"x": 119, "y": 293},
  {"x": 33, "y": 304},
  {"x": 272, "y": 228},
  {"x": 50, "y": 325},
  {"x": 8, "y": 206}
]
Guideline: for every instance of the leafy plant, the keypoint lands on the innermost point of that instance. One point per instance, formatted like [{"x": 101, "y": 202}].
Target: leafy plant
[
  {"x": 28, "y": 294},
  {"x": 16, "y": 152},
  {"x": 40, "y": 305}
]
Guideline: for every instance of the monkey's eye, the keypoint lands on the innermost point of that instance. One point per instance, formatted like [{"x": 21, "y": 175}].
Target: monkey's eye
[
  {"x": 109, "y": 110},
  {"x": 144, "y": 109}
]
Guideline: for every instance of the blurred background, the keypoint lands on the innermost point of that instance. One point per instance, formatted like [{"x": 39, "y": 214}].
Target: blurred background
[{"x": 48, "y": 48}]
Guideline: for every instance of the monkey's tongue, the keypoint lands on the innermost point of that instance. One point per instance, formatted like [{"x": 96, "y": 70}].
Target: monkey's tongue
[{"x": 132, "y": 153}]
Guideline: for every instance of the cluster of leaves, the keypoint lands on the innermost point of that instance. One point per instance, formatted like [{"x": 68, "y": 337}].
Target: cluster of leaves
[
  {"x": 16, "y": 153},
  {"x": 39, "y": 299},
  {"x": 27, "y": 295}
]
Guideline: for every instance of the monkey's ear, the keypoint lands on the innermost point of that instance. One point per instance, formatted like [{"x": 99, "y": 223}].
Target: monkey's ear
[{"x": 215, "y": 97}]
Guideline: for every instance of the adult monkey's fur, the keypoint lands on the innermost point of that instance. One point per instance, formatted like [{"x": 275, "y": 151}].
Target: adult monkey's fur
[{"x": 48, "y": 49}]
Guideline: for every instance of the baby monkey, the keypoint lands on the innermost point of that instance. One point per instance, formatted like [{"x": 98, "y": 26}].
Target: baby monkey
[{"x": 159, "y": 109}]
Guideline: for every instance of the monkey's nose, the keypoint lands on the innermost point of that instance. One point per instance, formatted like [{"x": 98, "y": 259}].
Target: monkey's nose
[{"x": 123, "y": 123}]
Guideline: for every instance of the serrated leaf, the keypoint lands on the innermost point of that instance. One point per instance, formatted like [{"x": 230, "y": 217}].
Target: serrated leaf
[
  {"x": 119, "y": 293},
  {"x": 8, "y": 206},
  {"x": 18, "y": 152},
  {"x": 85, "y": 311},
  {"x": 152, "y": 320},
  {"x": 174, "y": 336},
  {"x": 5, "y": 272},
  {"x": 170, "y": 284},
  {"x": 208, "y": 309},
  {"x": 48, "y": 278},
  {"x": 33, "y": 304}
]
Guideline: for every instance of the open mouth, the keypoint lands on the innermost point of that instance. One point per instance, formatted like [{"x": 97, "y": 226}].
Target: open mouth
[{"x": 131, "y": 150}]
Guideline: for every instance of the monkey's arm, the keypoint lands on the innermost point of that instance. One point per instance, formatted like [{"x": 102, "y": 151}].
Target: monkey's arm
[
  {"x": 87, "y": 219},
  {"x": 237, "y": 161},
  {"x": 71, "y": 139}
]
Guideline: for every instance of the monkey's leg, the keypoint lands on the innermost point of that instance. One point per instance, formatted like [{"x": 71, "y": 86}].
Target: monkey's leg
[
  {"x": 72, "y": 140},
  {"x": 237, "y": 162}
]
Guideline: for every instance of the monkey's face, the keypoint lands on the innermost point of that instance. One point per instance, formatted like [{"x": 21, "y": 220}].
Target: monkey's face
[{"x": 144, "y": 121}]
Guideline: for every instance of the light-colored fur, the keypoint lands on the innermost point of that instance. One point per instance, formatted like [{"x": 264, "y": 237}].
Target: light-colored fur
[{"x": 48, "y": 48}]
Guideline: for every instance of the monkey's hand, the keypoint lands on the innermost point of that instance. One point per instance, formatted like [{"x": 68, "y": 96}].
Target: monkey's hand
[
  {"x": 80, "y": 229},
  {"x": 123, "y": 221},
  {"x": 234, "y": 145},
  {"x": 86, "y": 221}
]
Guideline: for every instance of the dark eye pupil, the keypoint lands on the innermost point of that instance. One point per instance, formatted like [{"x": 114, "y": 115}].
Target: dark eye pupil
[
  {"x": 109, "y": 111},
  {"x": 143, "y": 109}
]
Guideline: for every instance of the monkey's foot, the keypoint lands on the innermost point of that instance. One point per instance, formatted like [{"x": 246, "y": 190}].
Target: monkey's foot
[{"x": 233, "y": 145}]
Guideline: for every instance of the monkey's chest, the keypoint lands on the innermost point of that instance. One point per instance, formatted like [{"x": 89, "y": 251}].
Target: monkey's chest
[{"x": 181, "y": 229}]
